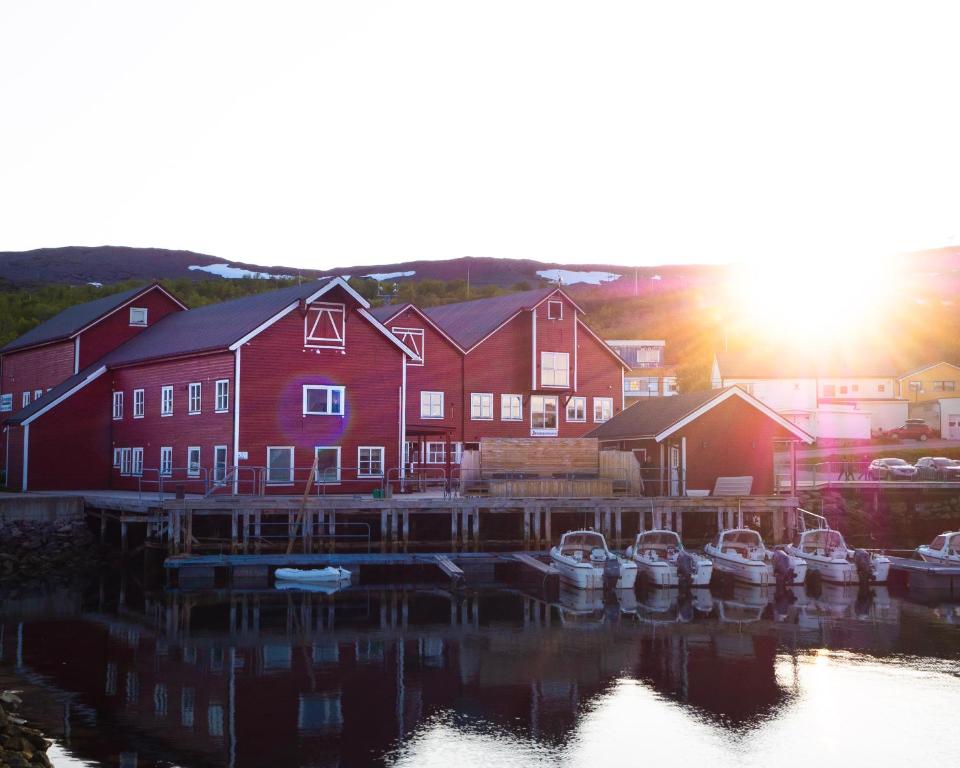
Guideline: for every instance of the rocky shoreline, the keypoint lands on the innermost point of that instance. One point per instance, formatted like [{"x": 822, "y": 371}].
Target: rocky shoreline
[
  {"x": 31, "y": 550},
  {"x": 20, "y": 745}
]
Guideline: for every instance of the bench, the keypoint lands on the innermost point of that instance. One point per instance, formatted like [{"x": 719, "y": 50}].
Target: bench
[{"x": 733, "y": 486}]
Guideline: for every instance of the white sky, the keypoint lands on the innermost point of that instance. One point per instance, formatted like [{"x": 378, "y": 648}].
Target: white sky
[{"x": 323, "y": 134}]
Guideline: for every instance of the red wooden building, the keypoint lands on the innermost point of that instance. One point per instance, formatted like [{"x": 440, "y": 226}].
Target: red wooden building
[
  {"x": 690, "y": 440},
  {"x": 519, "y": 365}
]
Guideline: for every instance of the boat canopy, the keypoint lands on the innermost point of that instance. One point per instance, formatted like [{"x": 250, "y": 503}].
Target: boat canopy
[
  {"x": 743, "y": 537},
  {"x": 821, "y": 538},
  {"x": 656, "y": 539},
  {"x": 582, "y": 540}
]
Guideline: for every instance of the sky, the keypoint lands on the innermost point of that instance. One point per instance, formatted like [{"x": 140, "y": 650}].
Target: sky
[{"x": 325, "y": 134}]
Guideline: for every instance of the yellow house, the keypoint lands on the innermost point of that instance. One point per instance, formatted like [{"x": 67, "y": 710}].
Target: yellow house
[{"x": 931, "y": 382}]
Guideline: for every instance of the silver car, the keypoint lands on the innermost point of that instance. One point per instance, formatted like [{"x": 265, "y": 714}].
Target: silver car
[
  {"x": 938, "y": 468},
  {"x": 892, "y": 469}
]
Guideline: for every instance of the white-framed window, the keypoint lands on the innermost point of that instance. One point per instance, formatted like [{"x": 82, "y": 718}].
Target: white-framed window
[
  {"x": 577, "y": 409},
  {"x": 193, "y": 461},
  {"x": 323, "y": 400},
  {"x": 436, "y": 453},
  {"x": 166, "y": 461},
  {"x": 124, "y": 461},
  {"x": 457, "y": 453},
  {"x": 138, "y": 316},
  {"x": 116, "y": 457},
  {"x": 543, "y": 415},
  {"x": 511, "y": 407},
  {"x": 602, "y": 409},
  {"x": 481, "y": 406},
  {"x": 370, "y": 461},
  {"x": 431, "y": 405},
  {"x": 138, "y": 403},
  {"x": 280, "y": 465},
  {"x": 555, "y": 369},
  {"x": 222, "y": 401},
  {"x": 323, "y": 326},
  {"x": 37, "y": 394},
  {"x": 194, "y": 392},
  {"x": 219, "y": 463},
  {"x": 413, "y": 338},
  {"x": 117, "y": 405},
  {"x": 554, "y": 310},
  {"x": 25, "y": 400},
  {"x": 137, "y": 461},
  {"x": 328, "y": 464},
  {"x": 166, "y": 400}
]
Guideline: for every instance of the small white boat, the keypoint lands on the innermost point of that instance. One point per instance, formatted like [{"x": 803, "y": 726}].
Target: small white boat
[
  {"x": 315, "y": 587},
  {"x": 741, "y": 553},
  {"x": 585, "y": 562},
  {"x": 943, "y": 549},
  {"x": 313, "y": 575},
  {"x": 660, "y": 555},
  {"x": 825, "y": 551}
]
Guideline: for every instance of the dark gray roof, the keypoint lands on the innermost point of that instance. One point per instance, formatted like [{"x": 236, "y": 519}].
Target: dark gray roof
[
  {"x": 387, "y": 311},
  {"x": 73, "y": 319},
  {"x": 467, "y": 322},
  {"x": 48, "y": 397},
  {"x": 215, "y": 326},
  {"x": 651, "y": 416}
]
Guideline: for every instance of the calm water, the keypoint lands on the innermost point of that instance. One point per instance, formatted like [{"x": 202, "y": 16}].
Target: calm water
[{"x": 417, "y": 676}]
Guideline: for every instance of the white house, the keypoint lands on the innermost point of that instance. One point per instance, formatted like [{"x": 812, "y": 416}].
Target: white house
[{"x": 833, "y": 397}]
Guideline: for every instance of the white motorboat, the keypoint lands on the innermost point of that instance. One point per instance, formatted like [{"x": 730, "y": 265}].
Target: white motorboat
[
  {"x": 327, "y": 575},
  {"x": 313, "y": 587},
  {"x": 585, "y": 562},
  {"x": 660, "y": 556},
  {"x": 825, "y": 551},
  {"x": 741, "y": 553},
  {"x": 945, "y": 549}
]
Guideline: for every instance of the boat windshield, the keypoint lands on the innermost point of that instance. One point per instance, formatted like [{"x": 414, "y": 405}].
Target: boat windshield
[
  {"x": 937, "y": 543},
  {"x": 582, "y": 541},
  {"x": 658, "y": 540},
  {"x": 822, "y": 540},
  {"x": 742, "y": 539},
  {"x": 955, "y": 544}
]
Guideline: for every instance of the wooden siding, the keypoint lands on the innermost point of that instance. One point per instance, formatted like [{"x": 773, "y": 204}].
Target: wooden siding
[
  {"x": 179, "y": 431},
  {"x": 555, "y": 336},
  {"x": 14, "y": 461},
  {"x": 600, "y": 375},
  {"x": 69, "y": 445},
  {"x": 541, "y": 456},
  {"x": 274, "y": 367},
  {"x": 622, "y": 466},
  {"x": 114, "y": 330},
  {"x": 36, "y": 368}
]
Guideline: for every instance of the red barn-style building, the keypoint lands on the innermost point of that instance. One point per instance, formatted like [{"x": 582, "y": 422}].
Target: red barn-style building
[
  {"x": 519, "y": 365},
  {"x": 692, "y": 439}
]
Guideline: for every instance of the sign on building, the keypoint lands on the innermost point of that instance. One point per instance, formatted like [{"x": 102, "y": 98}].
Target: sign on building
[{"x": 6, "y": 403}]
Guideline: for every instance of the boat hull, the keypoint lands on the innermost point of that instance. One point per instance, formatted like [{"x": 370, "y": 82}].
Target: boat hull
[
  {"x": 588, "y": 576},
  {"x": 838, "y": 570},
  {"x": 663, "y": 574},
  {"x": 936, "y": 556},
  {"x": 312, "y": 576},
  {"x": 754, "y": 572}
]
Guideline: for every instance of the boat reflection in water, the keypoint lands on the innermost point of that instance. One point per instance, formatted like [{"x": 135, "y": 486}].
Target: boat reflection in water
[{"x": 423, "y": 675}]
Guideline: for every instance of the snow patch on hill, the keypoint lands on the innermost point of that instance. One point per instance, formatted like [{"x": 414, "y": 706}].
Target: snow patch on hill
[
  {"x": 224, "y": 270},
  {"x": 391, "y": 275},
  {"x": 571, "y": 276}
]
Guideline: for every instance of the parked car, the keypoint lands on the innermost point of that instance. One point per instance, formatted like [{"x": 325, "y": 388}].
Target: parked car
[
  {"x": 913, "y": 429},
  {"x": 891, "y": 469},
  {"x": 938, "y": 468}
]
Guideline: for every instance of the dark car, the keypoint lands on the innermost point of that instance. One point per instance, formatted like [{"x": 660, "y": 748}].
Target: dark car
[
  {"x": 913, "y": 429},
  {"x": 938, "y": 468}
]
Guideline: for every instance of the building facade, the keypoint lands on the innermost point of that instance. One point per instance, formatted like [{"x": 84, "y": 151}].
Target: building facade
[{"x": 650, "y": 375}]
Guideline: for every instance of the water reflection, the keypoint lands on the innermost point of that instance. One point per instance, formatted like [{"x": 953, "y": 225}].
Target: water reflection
[{"x": 417, "y": 675}]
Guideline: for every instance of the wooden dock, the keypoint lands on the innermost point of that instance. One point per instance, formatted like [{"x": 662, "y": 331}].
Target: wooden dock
[{"x": 919, "y": 575}]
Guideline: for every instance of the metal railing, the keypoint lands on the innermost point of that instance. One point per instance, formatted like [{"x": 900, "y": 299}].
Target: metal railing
[
  {"x": 653, "y": 481},
  {"x": 192, "y": 480},
  {"x": 834, "y": 472}
]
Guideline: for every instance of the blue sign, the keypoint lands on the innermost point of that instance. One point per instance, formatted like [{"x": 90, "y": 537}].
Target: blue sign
[{"x": 6, "y": 403}]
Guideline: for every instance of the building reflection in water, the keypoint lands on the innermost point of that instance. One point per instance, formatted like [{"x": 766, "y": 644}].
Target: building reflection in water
[{"x": 264, "y": 678}]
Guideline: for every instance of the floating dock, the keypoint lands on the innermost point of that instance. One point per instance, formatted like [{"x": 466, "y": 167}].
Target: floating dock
[{"x": 920, "y": 575}]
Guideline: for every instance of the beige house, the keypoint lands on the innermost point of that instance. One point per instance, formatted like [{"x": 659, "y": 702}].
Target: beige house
[{"x": 931, "y": 382}]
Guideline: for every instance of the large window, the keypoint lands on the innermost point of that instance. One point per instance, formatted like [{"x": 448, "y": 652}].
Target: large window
[
  {"x": 125, "y": 461},
  {"x": 138, "y": 461},
  {"x": 323, "y": 400},
  {"x": 328, "y": 464},
  {"x": 577, "y": 409},
  {"x": 117, "y": 405},
  {"x": 412, "y": 338},
  {"x": 166, "y": 401},
  {"x": 138, "y": 316},
  {"x": 437, "y": 454},
  {"x": 543, "y": 415},
  {"x": 193, "y": 404},
  {"x": 222, "y": 400},
  {"x": 481, "y": 406},
  {"x": 602, "y": 409},
  {"x": 511, "y": 408},
  {"x": 323, "y": 326},
  {"x": 369, "y": 461},
  {"x": 431, "y": 405},
  {"x": 193, "y": 461},
  {"x": 554, "y": 369},
  {"x": 138, "y": 403},
  {"x": 280, "y": 465},
  {"x": 166, "y": 461}
]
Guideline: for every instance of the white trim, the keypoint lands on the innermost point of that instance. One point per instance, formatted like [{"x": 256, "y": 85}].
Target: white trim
[
  {"x": 26, "y": 456},
  {"x": 76, "y": 355},
  {"x": 553, "y": 293},
  {"x": 226, "y": 459},
  {"x": 726, "y": 395},
  {"x": 343, "y": 284},
  {"x": 316, "y": 477},
  {"x": 169, "y": 450},
  {"x": 430, "y": 403},
  {"x": 545, "y": 431},
  {"x": 917, "y": 372},
  {"x": 623, "y": 394},
  {"x": 190, "y": 386},
  {"x": 293, "y": 463},
  {"x": 322, "y": 342},
  {"x": 386, "y": 332},
  {"x": 566, "y": 410},
  {"x": 154, "y": 286},
  {"x": 163, "y": 389},
  {"x": 146, "y": 315},
  {"x": 383, "y": 459},
  {"x": 196, "y": 448},
  {"x": 638, "y": 342},
  {"x": 403, "y": 331},
  {"x": 555, "y": 301},
  {"x": 575, "y": 357},
  {"x": 216, "y": 396},
  {"x": 599, "y": 401},
  {"x": 603, "y": 344},
  {"x": 330, "y": 388},
  {"x": 554, "y": 369},
  {"x": 426, "y": 319},
  {"x": 481, "y": 395},
  {"x": 134, "y": 453},
  {"x": 54, "y": 403},
  {"x": 236, "y": 420},
  {"x": 263, "y": 326},
  {"x": 126, "y": 462},
  {"x": 683, "y": 465},
  {"x": 143, "y": 403},
  {"x": 519, "y": 399},
  {"x": 533, "y": 347},
  {"x": 114, "y": 402},
  {"x": 6, "y": 458},
  {"x": 403, "y": 414}
]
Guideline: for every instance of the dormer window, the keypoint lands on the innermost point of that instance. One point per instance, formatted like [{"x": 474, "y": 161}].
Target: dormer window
[
  {"x": 554, "y": 310},
  {"x": 138, "y": 316},
  {"x": 323, "y": 326}
]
